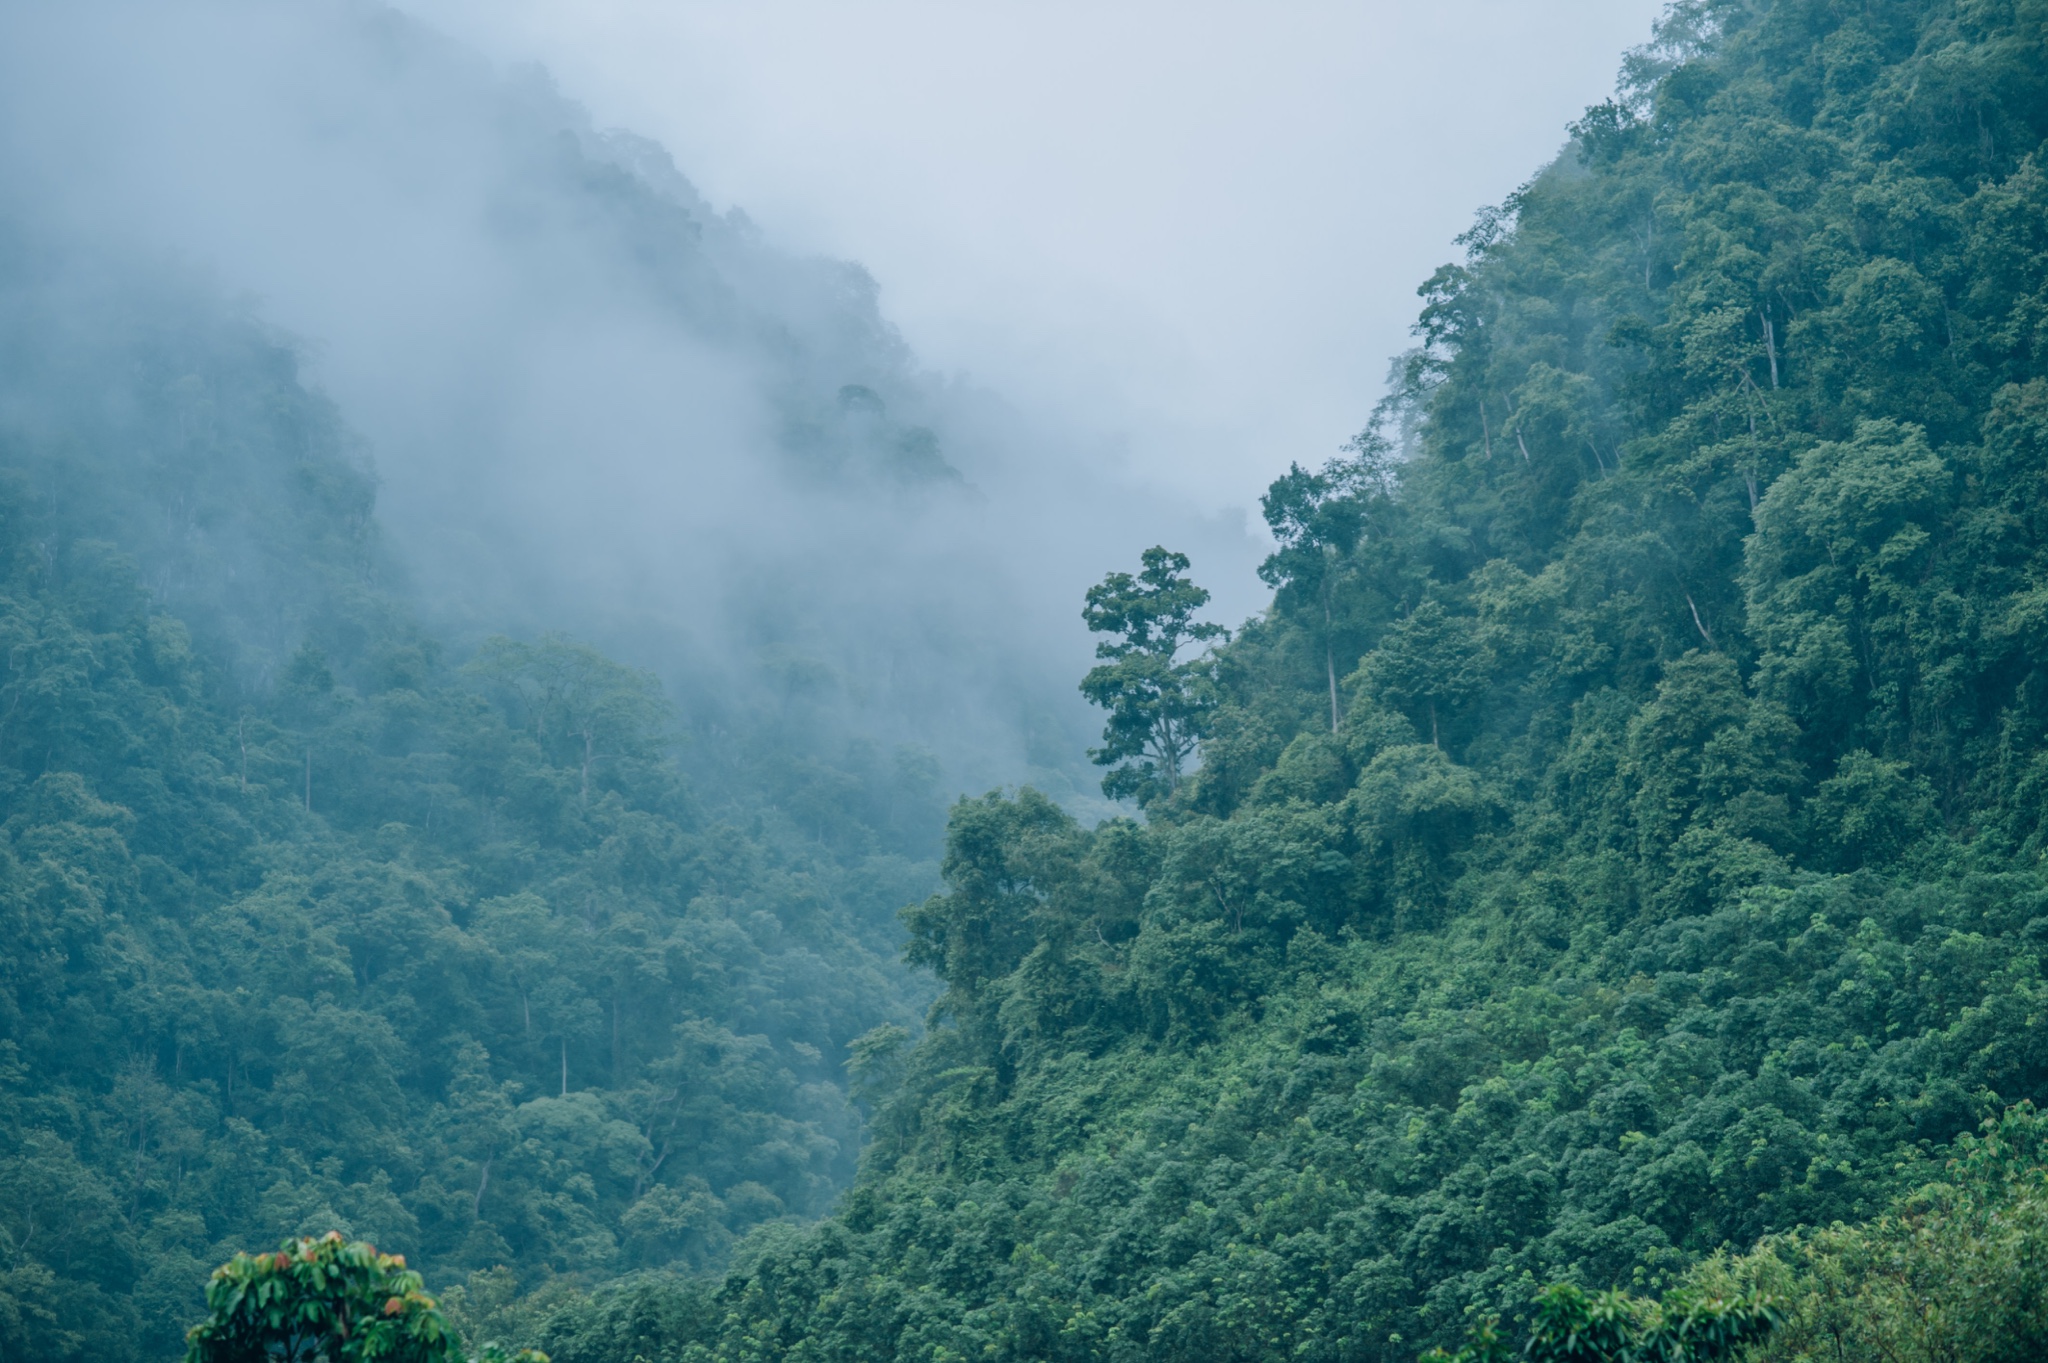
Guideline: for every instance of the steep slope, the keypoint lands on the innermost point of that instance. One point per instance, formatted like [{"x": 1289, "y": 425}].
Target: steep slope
[
  {"x": 597, "y": 402},
  {"x": 1665, "y": 872},
  {"x": 313, "y": 920}
]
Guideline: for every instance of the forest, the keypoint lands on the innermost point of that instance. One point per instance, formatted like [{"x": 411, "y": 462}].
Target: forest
[
  {"x": 1615, "y": 857},
  {"x": 318, "y": 918},
  {"x": 1595, "y": 911}
]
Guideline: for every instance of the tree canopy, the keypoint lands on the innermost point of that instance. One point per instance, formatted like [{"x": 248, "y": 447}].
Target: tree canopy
[
  {"x": 1596, "y": 911},
  {"x": 1158, "y": 702},
  {"x": 318, "y": 917},
  {"x": 1662, "y": 888}
]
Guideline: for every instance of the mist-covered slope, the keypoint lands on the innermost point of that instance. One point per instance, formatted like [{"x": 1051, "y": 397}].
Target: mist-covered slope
[
  {"x": 337, "y": 370},
  {"x": 1669, "y": 875},
  {"x": 336, "y": 890},
  {"x": 315, "y": 920},
  {"x": 595, "y": 401}
]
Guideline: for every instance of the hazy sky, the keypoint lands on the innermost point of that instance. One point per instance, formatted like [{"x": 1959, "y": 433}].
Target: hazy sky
[{"x": 1196, "y": 225}]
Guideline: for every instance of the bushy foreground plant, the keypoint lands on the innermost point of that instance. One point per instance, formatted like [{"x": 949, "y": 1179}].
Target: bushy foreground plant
[{"x": 327, "y": 1301}]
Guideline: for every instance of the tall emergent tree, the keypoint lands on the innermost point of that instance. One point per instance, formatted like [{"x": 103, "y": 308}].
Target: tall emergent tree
[
  {"x": 1158, "y": 704},
  {"x": 582, "y": 706},
  {"x": 1318, "y": 519},
  {"x": 1426, "y": 663}
]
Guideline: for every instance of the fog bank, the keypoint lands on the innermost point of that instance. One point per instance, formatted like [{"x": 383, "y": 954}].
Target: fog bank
[
  {"x": 1200, "y": 225},
  {"x": 596, "y": 401}
]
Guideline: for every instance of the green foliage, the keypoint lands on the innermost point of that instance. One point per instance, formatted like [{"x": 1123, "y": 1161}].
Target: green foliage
[
  {"x": 1571, "y": 1325},
  {"x": 1158, "y": 705},
  {"x": 329, "y": 1300},
  {"x": 320, "y": 1299},
  {"x": 1671, "y": 882},
  {"x": 1317, "y": 520},
  {"x": 575, "y": 696},
  {"x": 319, "y": 919},
  {"x": 1671, "y": 879},
  {"x": 1956, "y": 1269},
  {"x": 1429, "y": 665}
]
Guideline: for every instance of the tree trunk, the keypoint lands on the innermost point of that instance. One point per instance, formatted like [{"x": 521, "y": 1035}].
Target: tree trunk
[
  {"x": 1330, "y": 654},
  {"x": 646, "y": 1175},
  {"x": 618, "y": 1049},
  {"x": 1698, "y": 623},
  {"x": 565, "y": 1067},
  {"x": 1330, "y": 664}
]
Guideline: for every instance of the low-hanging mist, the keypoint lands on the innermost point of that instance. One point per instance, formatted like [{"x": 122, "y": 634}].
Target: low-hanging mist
[
  {"x": 593, "y": 402},
  {"x": 489, "y": 642},
  {"x": 1615, "y": 854}
]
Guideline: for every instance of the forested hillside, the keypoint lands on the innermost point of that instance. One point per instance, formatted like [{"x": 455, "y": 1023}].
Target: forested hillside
[
  {"x": 312, "y": 922},
  {"x": 595, "y": 400},
  {"x": 1620, "y": 840}
]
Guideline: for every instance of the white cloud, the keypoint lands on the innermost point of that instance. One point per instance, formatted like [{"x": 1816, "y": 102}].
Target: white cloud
[{"x": 1198, "y": 225}]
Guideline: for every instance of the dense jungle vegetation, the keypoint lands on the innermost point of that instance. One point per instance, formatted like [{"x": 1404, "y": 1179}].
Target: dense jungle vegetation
[
  {"x": 313, "y": 921},
  {"x": 1618, "y": 845},
  {"x": 1606, "y": 882}
]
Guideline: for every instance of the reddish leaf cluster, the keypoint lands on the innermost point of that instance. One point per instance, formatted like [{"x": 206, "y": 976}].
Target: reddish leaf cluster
[{"x": 332, "y": 1299}]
